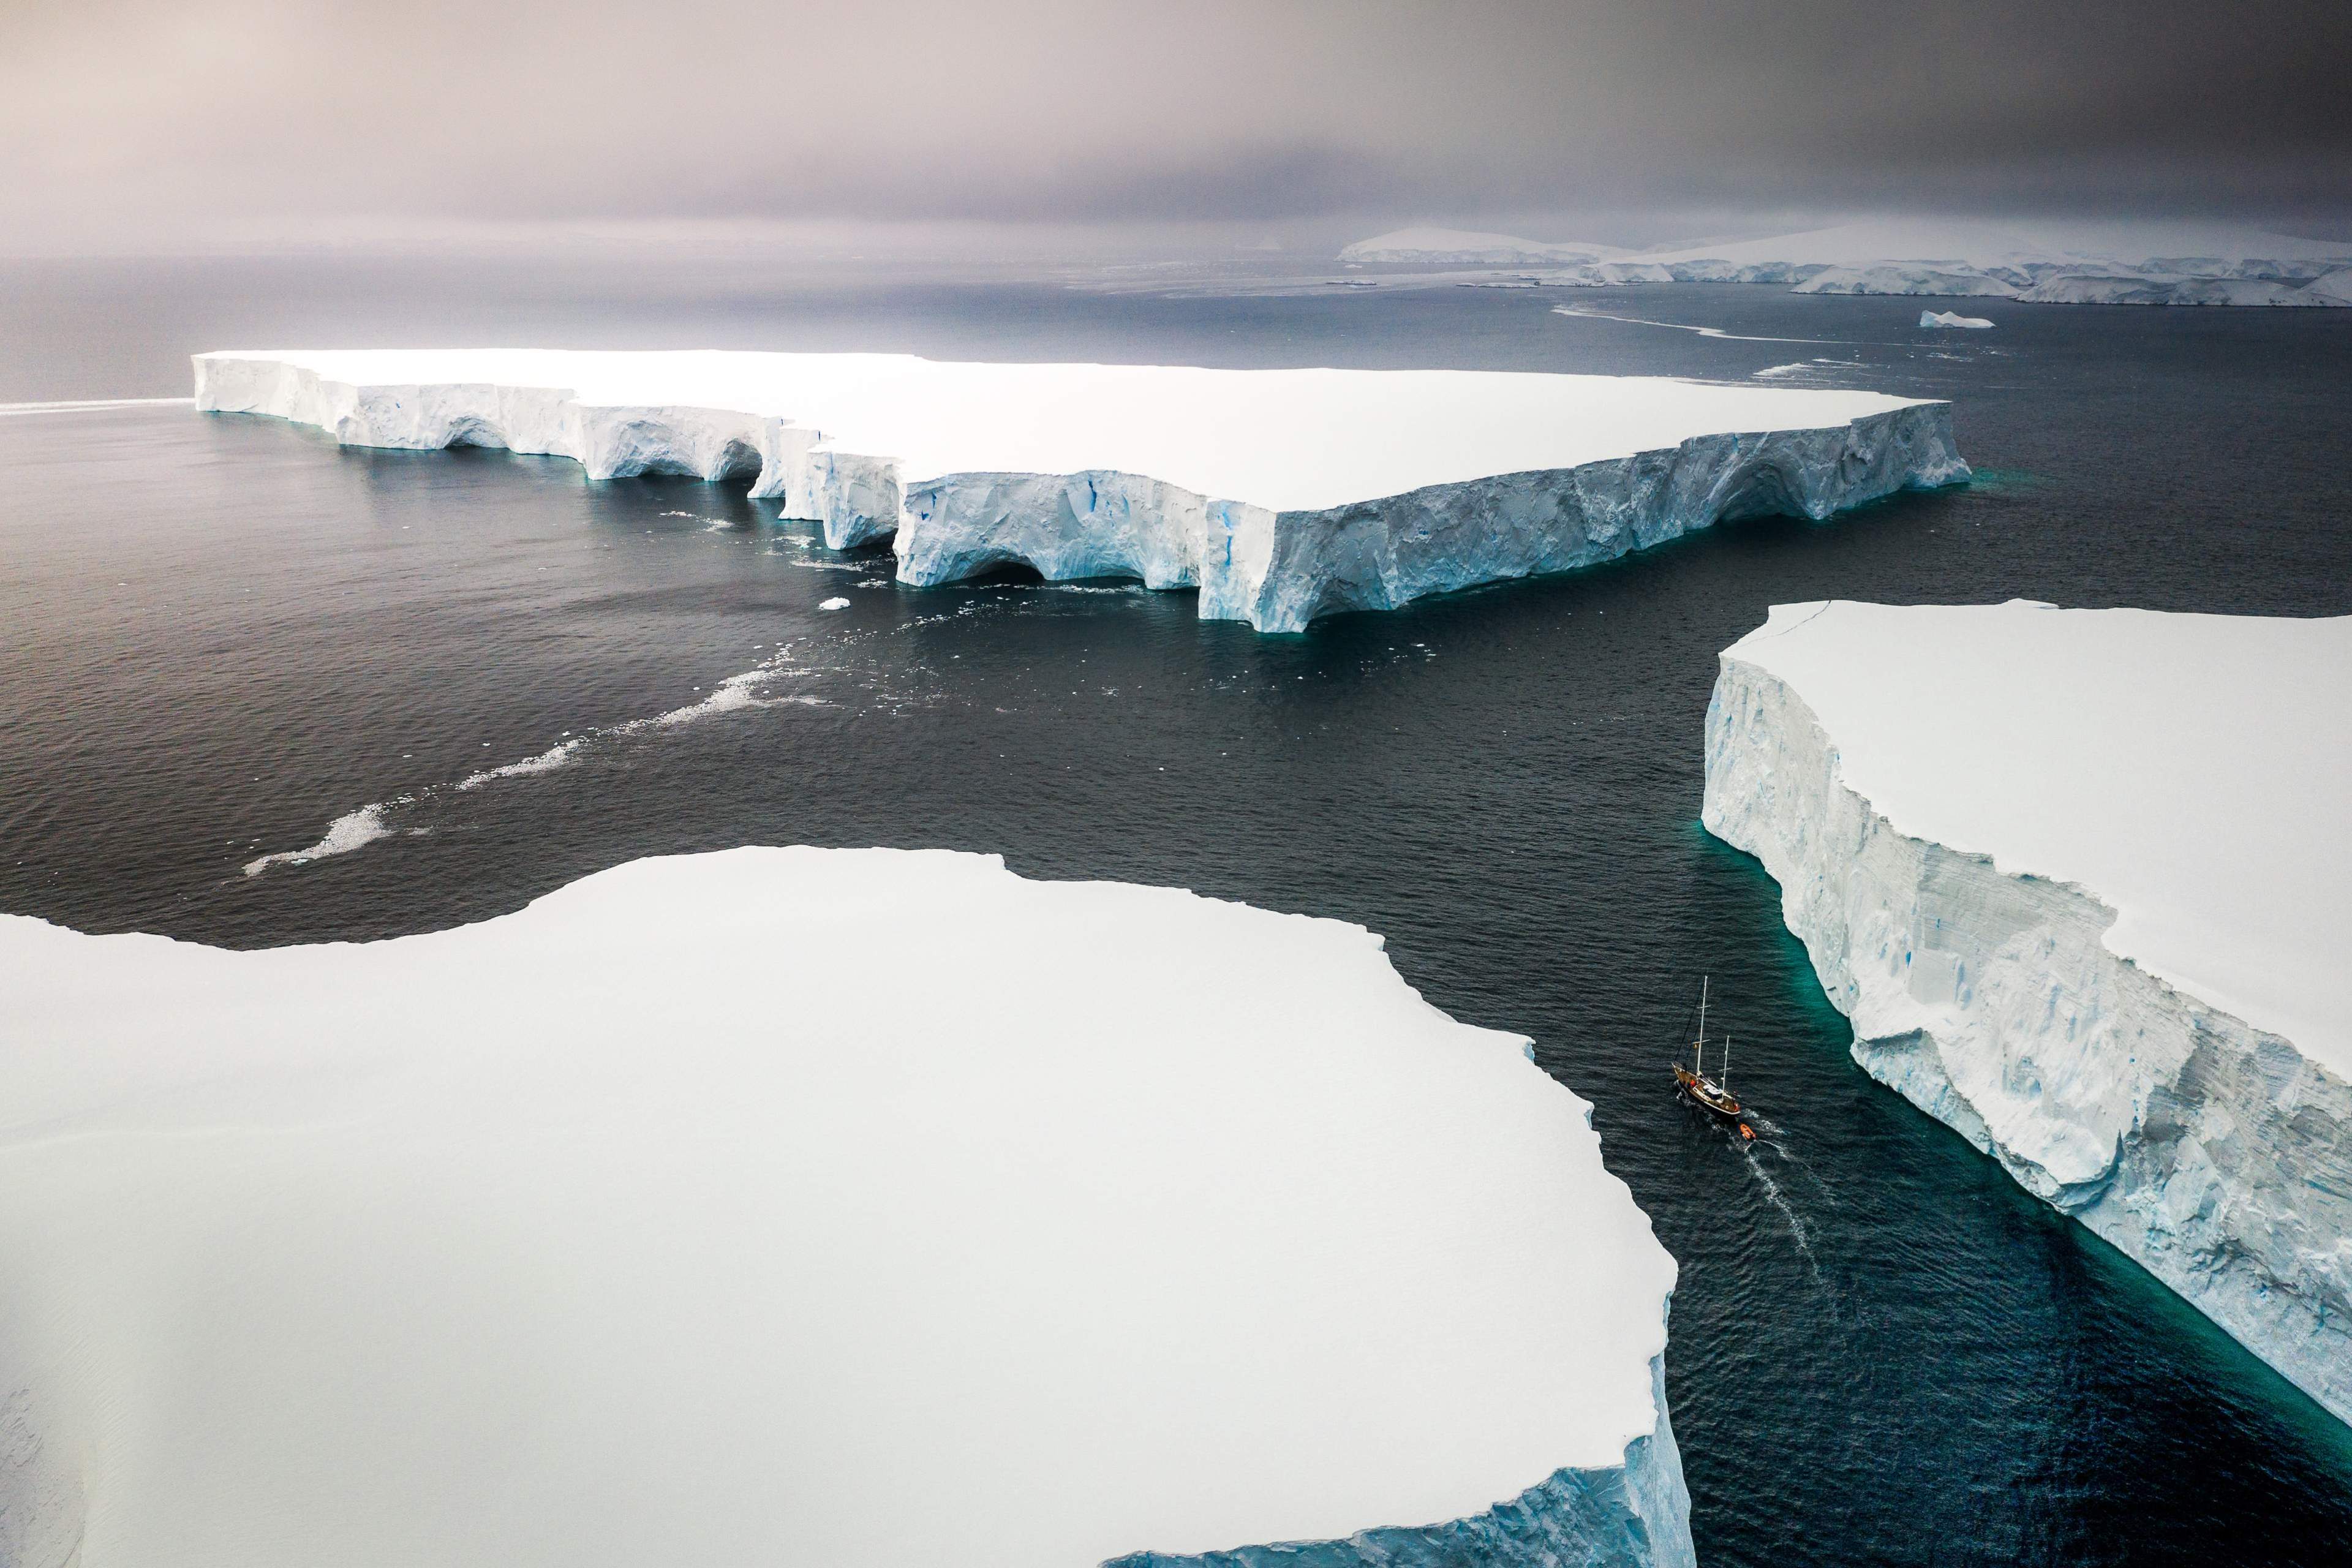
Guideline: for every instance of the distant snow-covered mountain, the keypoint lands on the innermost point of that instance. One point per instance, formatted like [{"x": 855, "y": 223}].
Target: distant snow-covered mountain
[
  {"x": 1963, "y": 243},
  {"x": 2116, "y": 262},
  {"x": 1472, "y": 248}
]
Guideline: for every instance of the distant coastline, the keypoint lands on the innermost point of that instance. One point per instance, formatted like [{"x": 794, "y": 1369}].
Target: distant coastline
[{"x": 2114, "y": 264}]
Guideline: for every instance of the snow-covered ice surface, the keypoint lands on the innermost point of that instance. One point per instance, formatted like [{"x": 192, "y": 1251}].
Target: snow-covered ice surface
[
  {"x": 2078, "y": 878},
  {"x": 1280, "y": 494},
  {"x": 801, "y": 1206}
]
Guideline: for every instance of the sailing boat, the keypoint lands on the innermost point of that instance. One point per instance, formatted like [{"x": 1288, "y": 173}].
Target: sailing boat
[{"x": 1710, "y": 1095}]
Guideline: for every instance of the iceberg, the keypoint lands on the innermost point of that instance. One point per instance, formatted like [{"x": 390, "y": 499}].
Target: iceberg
[
  {"x": 1952, "y": 319},
  {"x": 1280, "y": 495},
  {"x": 816, "y": 1206},
  {"x": 2077, "y": 879}
]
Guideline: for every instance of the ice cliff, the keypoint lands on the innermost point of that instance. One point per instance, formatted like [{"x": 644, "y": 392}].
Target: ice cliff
[
  {"x": 2077, "y": 878},
  {"x": 1281, "y": 495},
  {"x": 655, "y": 1223}
]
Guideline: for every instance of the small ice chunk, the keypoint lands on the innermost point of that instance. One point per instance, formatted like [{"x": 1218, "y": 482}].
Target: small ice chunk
[{"x": 835, "y": 604}]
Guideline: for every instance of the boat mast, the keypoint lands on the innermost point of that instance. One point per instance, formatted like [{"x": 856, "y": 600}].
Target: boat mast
[
  {"x": 1698, "y": 1050},
  {"x": 1727, "y": 1063}
]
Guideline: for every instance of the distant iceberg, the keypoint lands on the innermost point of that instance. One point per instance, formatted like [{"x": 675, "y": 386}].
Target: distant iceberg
[
  {"x": 808, "y": 1206},
  {"x": 1952, "y": 319},
  {"x": 2078, "y": 878},
  {"x": 1281, "y": 495}
]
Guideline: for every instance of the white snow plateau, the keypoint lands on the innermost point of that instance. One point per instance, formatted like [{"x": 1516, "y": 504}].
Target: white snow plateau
[
  {"x": 2077, "y": 877},
  {"x": 808, "y": 1206},
  {"x": 1281, "y": 495}
]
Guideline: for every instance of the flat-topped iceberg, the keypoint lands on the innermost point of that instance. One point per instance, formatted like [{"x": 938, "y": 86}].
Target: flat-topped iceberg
[
  {"x": 2077, "y": 877},
  {"x": 1281, "y": 495},
  {"x": 808, "y": 1206},
  {"x": 1953, "y": 319}
]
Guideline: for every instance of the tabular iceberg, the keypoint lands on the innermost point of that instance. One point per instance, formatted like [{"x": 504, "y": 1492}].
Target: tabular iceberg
[
  {"x": 1281, "y": 495},
  {"x": 1953, "y": 319},
  {"x": 808, "y": 1206},
  {"x": 2077, "y": 877}
]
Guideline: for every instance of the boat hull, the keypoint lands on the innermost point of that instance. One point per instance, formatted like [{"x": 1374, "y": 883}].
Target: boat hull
[{"x": 1712, "y": 1098}]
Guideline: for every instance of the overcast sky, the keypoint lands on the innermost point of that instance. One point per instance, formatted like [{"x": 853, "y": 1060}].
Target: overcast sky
[{"x": 124, "y": 119}]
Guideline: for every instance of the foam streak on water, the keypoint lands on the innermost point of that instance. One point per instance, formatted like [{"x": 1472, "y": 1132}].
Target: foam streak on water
[
  {"x": 1683, "y": 327},
  {"x": 353, "y": 830},
  {"x": 357, "y": 829}
]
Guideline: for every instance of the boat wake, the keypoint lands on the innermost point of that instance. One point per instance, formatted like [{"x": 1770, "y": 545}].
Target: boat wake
[{"x": 1780, "y": 1200}]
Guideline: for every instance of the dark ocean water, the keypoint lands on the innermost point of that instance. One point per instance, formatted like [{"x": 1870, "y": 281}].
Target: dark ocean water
[{"x": 222, "y": 634}]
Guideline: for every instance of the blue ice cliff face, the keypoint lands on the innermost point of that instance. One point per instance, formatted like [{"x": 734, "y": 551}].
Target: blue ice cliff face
[
  {"x": 1380, "y": 554},
  {"x": 2216, "y": 1155},
  {"x": 1280, "y": 571}
]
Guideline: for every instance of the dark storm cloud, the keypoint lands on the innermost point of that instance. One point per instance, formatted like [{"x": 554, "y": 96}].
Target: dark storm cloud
[{"x": 139, "y": 117}]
